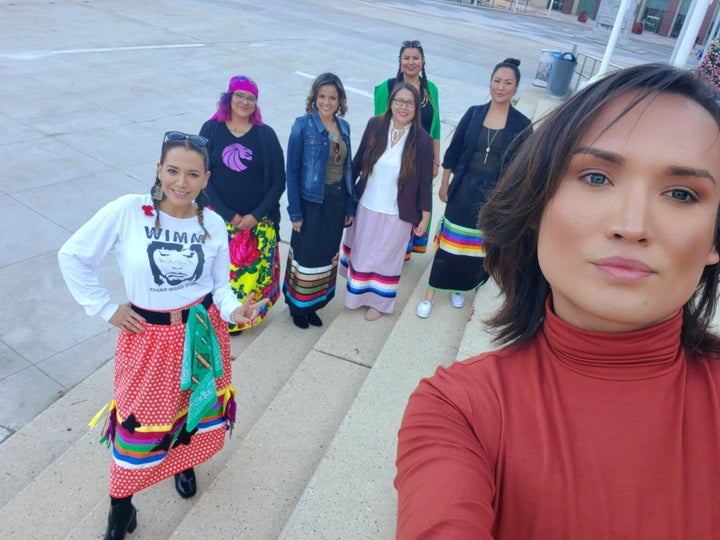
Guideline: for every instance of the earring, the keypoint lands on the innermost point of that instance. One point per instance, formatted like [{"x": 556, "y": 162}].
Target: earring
[{"x": 157, "y": 193}]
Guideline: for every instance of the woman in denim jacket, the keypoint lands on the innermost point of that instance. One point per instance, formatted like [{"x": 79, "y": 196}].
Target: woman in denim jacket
[{"x": 321, "y": 199}]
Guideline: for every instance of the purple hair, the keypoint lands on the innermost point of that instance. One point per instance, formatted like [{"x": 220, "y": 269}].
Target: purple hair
[{"x": 224, "y": 112}]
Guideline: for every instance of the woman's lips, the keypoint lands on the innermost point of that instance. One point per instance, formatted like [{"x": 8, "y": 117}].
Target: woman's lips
[{"x": 624, "y": 269}]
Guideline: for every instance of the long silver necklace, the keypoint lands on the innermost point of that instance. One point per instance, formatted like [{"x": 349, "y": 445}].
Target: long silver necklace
[{"x": 489, "y": 142}]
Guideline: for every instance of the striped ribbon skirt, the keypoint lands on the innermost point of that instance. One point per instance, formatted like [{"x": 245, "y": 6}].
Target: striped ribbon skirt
[
  {"x": 146, "y": 424},
  {"x": 372, "y": 258},
  {"x": 312, "y": 266},
  {"x": 460, "y": 246}
]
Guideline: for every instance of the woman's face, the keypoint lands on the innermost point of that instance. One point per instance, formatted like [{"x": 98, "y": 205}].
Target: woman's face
[
  {"x": 183, "y": 176},
  {"x": 503, "y": 85},
  {"x": 411, "y": 62},
  {"x": 625, "y": 239},
  {"x": 242, "y": 104},
  {"x": 327, "y": 101},
  {"x": 403, "y": 107}
]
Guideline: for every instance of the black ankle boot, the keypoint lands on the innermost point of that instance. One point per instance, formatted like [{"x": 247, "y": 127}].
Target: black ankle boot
[
  {"x": 300, "y": 321},
  {"x": 312, "y": 318},
  {"x": 185, "y": 483},
  {"x": 121, "y": 519}
]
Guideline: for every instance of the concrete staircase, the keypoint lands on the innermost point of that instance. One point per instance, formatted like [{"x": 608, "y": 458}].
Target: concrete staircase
[
  {"x": 312, "y": 453},
  {"x": 313, "y": 450}
]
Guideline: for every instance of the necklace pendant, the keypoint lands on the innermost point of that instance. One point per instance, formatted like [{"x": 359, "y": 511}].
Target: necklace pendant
[{"x": 487, "y": 153}]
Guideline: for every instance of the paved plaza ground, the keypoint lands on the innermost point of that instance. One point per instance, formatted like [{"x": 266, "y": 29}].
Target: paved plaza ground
[{"x": 91, "y": 85}]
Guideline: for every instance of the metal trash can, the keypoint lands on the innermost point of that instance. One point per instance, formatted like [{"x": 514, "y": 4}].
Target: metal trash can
[
  {"x": 544, "y": 67},
  {"x": 561, "y": 74}
]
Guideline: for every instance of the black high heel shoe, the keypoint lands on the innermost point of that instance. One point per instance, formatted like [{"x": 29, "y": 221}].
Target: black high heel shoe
[
  {"x": 185, "y": 483},
  {"x": 121, "y": 519}
]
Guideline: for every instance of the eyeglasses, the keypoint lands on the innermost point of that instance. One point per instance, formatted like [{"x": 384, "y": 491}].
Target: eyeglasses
[
  {"x": 242, "y": 98},
  {"x": 180, "y": 136},
  {"x": 403, "y": 103},
  {"x": 336, "y": 149},
  {"x": 414, "y": 44}
]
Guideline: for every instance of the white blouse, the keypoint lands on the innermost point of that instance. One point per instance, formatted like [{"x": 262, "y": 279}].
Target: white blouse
[{"x": 381, "y": 192}]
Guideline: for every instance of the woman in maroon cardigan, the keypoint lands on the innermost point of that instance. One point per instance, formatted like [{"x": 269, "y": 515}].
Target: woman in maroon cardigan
[{"x": 394, "y": 164}]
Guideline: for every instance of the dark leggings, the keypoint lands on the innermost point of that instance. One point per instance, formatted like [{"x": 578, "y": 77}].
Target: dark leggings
[{"x": 123, "y": 500}]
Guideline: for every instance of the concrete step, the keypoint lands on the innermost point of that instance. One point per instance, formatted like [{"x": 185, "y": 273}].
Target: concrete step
[
  {"x": 25, "y": 454},
  {"x": 293, "y": 389},
  {"x": 266, "y": 476},
  {"x": 55, "y": 458},
  {"x": 80, "y": 474},
  {"x": 351, "y": 493}
]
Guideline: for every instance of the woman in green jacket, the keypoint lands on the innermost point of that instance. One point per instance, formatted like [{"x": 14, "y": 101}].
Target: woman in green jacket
[{"x": 411, "y": 69}]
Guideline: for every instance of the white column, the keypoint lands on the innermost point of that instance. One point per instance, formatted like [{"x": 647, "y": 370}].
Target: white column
[
  {"x": 614, "y": 35},
  {"x": 691, "y": 26}
]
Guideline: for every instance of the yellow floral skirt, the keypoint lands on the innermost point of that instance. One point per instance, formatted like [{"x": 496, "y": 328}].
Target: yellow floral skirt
[{"x": 255, "y": 265}]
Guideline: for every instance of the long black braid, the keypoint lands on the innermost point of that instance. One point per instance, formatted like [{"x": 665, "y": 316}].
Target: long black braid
[
  {"x": 156, "y": 206},
  {"x": 201, "y": 220}
]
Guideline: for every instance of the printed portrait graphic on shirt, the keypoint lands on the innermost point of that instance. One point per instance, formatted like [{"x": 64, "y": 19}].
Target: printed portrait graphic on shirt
[
  {"x": 233, "y": 155},
  {"x": 173, "y": 264}
]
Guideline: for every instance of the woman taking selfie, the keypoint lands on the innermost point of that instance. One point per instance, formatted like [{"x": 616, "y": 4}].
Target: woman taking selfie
[{"x": 600, "y": 417}]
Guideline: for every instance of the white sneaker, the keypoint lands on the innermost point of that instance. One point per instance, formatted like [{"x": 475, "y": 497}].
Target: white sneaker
[
  {"x": 457, "y": 299},
  {"x": 423, "y": 309}
]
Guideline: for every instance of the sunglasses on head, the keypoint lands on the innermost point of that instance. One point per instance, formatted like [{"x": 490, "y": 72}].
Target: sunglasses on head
[
  {"x": 180, "y": 136},
  {"x": 415, "y": 44}
]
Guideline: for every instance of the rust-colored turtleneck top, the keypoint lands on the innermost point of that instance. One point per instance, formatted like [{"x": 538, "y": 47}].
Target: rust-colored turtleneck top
[{"x": 576, "y": 435}]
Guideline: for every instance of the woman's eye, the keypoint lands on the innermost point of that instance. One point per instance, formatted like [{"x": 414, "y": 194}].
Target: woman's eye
[
  {"x": 681, "y": 195},
  {"x": 595, "y": 179}
]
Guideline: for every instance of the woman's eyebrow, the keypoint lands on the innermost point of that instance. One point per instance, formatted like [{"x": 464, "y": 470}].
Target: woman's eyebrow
[
  {"x": 691, "y": 171},
  {"x": 611, "y": 157},
  {"x": 672, "y": 170}
]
